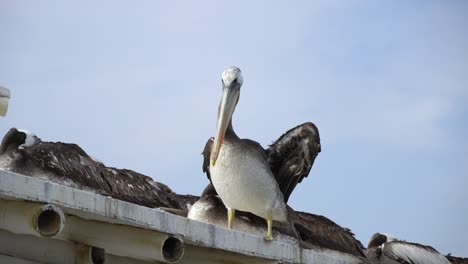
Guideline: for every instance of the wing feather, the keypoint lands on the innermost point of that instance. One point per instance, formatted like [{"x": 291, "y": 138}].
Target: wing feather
[
  {"x": 68, "y": 164},
  {"x": 206, "y": 157},
  {"x": 291, "y": 156},
  {"x": 413, "y": 253}
]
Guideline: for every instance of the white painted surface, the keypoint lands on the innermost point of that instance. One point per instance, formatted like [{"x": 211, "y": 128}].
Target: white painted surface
[
  {"x": 4, "y": 99},
  {"x": 20, "y": 217},
  {"x": 13, "y": 260},
  {"x": 43, "y": 250},
  {"x": 97, "y": 207},
  {"x": 4, "y": 92}
]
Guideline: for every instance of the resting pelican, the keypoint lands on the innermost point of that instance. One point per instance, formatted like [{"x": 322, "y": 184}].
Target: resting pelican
[
  {"x": 246, "y": 176},
  {"x": 312, "y": 231},
  {"x": 68, "y": 164},
  {"x": 383, "y": 249},
  {"x": 210, "y": 209},
  {"x": 4, "y": 98}
]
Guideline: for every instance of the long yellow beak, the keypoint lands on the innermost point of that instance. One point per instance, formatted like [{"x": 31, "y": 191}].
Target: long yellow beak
[{"x": 225, "y": 111}]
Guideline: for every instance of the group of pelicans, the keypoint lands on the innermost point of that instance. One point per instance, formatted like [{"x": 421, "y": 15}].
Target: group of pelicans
[{"x": 243, "y": 177}]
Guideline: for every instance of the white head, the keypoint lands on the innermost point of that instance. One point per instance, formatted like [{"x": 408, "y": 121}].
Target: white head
[
  {"x": 232, "y": 75},
  {"x": 391, "y": 237},
  {"x": 232, "y": 82},
  {"x": 30, "y": 139}
]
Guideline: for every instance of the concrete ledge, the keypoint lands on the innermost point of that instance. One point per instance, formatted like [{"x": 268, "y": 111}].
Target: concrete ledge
[
  {"x": 106, "y": 209},
  {"x": 13, "y": 260}
]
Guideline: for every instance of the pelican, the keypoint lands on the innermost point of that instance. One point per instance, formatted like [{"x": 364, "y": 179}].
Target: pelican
[
  {"x": 384, "y": 249},
  {"x": 67, "y": 164},
  {"x": 4, "y": 98},
  {"x": 210, "y": 209},
  {"x": 246, "y": 176},
  {"x": 310, "y": 230}
]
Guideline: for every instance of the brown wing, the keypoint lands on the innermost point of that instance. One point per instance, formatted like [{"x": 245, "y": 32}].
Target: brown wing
[
  {"x": 457, "y": 260},
  {"x": 206, "y": 157},
  {"x": 320, "y": 231},
  {"x": 60, "y": 162},
  {"x": 137, "y": 188},
  {"x": 291, "y": 156},
  {"x": 15, "y": 138},
  {"x": 412, "y": 253},
  {"x": 70, "y": 165},
  {"x": 12, "y": 139}
]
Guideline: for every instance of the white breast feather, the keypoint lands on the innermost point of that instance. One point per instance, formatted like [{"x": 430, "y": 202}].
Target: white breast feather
[{"x": 245, "y": 183}]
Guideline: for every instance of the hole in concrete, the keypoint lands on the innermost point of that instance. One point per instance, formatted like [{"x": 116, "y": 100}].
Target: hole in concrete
[
  {"x": 98, "y": 255},
  {"x": 49, "y": 223},
  {"x": 173, "y": 249}
]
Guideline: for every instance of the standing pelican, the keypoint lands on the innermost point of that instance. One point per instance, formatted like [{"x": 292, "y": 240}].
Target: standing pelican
[
  {"x": 248, "y": 177},
  {"x": 4, "y": 98}
]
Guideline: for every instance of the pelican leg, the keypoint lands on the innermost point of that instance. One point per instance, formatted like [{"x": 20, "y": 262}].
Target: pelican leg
[
  {"x": 269, "y": 218},
  {"x": 231, "y": 215}
]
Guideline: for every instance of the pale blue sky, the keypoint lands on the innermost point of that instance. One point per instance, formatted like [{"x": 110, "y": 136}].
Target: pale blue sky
[{"x": 137, "y": 84}]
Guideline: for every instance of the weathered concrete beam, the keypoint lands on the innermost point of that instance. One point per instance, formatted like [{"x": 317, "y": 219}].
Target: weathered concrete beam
[
  {"x": 14, "y": 260},
  {"x": 48, "y": 220},
  {"x": 96, "y": 207},
  {"x": 32, "y": 249}
]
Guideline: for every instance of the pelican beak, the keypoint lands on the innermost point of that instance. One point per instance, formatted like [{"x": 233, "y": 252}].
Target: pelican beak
[
  {"x": 226, "y": 109},
  {"x": 4, "y": 98}
]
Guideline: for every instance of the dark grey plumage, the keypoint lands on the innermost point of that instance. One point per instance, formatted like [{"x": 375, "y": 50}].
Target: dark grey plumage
[
  {"x": 14, "y": 138},
  {"x": 36, "y": 160},
  {"x": 457, "y": 260},
  {"x": 317, "y": 230},
  {"x": 206, "y": 157},
  {"x": 60, "y": 162},
  {"x": 382, "y": 250},
  {"x": 70, "y": 165},
  {"x": 290, "y": 157}
]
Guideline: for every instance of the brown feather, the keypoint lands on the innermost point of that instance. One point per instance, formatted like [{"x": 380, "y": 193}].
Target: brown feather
[{"x": 291, "y": 156}]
